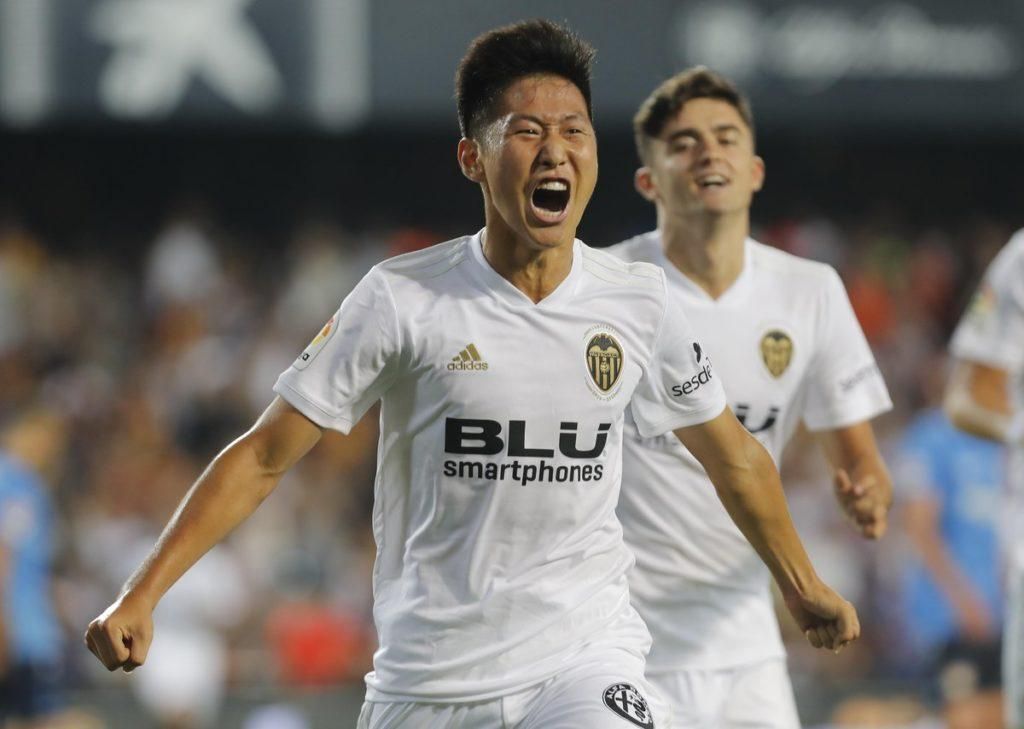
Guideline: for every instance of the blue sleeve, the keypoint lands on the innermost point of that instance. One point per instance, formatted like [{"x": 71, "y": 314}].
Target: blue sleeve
[{"x": 919, "y": 469}]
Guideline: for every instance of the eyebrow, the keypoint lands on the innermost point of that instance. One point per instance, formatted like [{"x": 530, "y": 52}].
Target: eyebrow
[
  {"x": 572, "y": 116},
  {"x": 691, "y": 132}
]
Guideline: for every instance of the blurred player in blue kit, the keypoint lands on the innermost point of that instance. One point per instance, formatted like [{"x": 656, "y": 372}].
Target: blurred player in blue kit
[
  {"x": 30, "y": 636},
  {"x": 950, "y": 485}
]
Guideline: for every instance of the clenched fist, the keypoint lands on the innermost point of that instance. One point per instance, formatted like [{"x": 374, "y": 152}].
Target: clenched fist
[
  {"x": 121, "y": 635},
  {"x": 826, "y": 619}
]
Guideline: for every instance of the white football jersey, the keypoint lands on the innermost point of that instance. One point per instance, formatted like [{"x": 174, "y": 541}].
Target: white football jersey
[
  {"x": 992, "y": 332},
  {"x": 788, "y": 348},
  {"x": 499, "y": 555}
]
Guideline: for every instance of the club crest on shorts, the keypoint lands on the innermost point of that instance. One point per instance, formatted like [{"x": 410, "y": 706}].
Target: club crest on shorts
[
  {"x": 776, "y": 351},
  {"x": 316, "y": 345},
  {"x": 627, "y": 701},
  {"x": 604, "y": 360}
]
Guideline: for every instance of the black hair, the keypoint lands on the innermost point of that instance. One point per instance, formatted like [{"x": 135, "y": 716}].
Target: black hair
[{"x": 500, "y": 57}]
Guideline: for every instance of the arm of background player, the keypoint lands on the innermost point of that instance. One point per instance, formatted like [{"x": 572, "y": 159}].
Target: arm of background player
[
  {"x": 749, "y": 487},
  {"x": 862, "y": 483},
  {"x": 921, "y": 522},
  {"x": 230, "y": 489},
  {"x": 977, "y": 400}
]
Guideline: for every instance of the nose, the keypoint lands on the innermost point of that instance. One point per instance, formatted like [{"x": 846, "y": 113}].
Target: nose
[
  {"x": 552, "y": 152},
  {"x": 710, "y": 150}
]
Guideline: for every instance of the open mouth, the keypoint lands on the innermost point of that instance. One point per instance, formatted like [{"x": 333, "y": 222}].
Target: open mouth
[
  {"x": 550, "y": 200},
  {"x": 712, "y": 182}
]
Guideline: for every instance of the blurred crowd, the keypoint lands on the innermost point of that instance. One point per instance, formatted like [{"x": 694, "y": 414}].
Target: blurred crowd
[{"x": 125, "y": 375}]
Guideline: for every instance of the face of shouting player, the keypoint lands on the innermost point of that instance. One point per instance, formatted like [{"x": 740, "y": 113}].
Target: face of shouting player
[
  {"x": 703, "y": 162},
  {"x": 537, "y": 162}
]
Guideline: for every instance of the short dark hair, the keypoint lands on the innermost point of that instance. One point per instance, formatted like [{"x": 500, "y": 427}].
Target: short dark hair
[
  {"x": 500, "y": 57},
  {"x": 665, "y": 102}
]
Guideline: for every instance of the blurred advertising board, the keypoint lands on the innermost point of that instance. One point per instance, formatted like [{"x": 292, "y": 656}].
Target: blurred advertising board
[
  {"x": 335, "y": 64},
  {"x": 193, "y": 61}
]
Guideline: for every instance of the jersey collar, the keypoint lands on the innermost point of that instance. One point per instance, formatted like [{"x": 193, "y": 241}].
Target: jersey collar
[
  {"x": 736, "y": 293},
  {"x": 502, "y": 289}
]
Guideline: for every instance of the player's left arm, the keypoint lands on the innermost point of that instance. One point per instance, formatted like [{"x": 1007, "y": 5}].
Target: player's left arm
[
  {"x": 749, "y": 487},
  {"x": 845, "y": 391},
  {"x": 861, "y": 480},
  {"x": 977, "y": 401}
]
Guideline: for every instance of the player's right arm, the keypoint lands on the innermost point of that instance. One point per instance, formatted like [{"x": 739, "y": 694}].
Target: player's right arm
[
  {"x": 749, "y": 487},
  {"x": 988, "y": 348},
  {"x": 230, "y": 489}
]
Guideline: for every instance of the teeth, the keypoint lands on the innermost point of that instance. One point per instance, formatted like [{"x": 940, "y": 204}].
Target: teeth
[
  {"x": 712, "y": 180},
  {"x": 553, "y": 185}
]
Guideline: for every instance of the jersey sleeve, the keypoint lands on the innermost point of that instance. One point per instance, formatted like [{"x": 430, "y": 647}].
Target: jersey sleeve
[
  {"x": 992, "y": 329},
  {"x": 678, "y": 387},
  {"x": 350, "y": 363},
  {"x": 845, "y": 385}
]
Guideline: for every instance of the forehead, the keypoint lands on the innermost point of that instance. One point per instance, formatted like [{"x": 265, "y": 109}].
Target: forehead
[
  {"x": 706, "y": 114},
  {"x": 544, "y": 96}
]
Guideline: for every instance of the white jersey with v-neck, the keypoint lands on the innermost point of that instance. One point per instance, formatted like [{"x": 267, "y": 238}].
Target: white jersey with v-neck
[
  {"x": 788, "y": 348},
  {"x": 499, "y": 555}
]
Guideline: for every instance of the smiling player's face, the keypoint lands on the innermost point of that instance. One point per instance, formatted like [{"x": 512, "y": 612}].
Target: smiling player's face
[
  {"x": 538, "y": 160},
  {"x": 703, "y": 161}
]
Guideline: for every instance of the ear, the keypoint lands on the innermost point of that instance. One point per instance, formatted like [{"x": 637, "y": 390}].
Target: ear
[
  {"x": 469, "y": 159},
  {"x": 759, "y": 173},
  {"x": 644, "y": 184}
]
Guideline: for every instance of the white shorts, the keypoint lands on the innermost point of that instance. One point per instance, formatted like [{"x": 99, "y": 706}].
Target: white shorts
[
  {"x": 1013, "y": 641},
  {"x": 745, "y": 697},
  {"x": 607, "y": 691}
]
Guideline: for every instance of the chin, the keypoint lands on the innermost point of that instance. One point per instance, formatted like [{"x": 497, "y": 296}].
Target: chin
[
  {"x": 548, "y": 236},
  {"x": 715, "y": 210},
  {"x": 546, "y": 239}
]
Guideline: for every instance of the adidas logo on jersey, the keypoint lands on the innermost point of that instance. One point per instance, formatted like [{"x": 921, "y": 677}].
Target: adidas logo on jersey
[{"x": 468, "y": 359}]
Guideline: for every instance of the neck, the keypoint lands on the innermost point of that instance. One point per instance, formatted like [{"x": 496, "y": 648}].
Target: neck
[
  {"x": 534, "y": 270},
  {"x": 707, "y": 249}
]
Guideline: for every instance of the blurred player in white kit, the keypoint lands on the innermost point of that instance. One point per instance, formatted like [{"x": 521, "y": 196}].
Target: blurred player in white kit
[
  {"x": 504, "y": 362},
  {"x": 781, "y": 331},
  {"x": 985, "y": 397}
]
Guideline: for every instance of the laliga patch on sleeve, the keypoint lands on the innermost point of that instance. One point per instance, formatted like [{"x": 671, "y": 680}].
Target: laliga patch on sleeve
[
  {"x": 626, "y": 700},
  {"x": 983, "y": 303},
  {"x": 316, "y": 345}
]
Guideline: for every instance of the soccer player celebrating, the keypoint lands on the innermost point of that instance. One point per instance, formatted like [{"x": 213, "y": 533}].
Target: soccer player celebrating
[
  {"x": 503, "y": 362},
  {"x": 788, "y": 348},
  {"x": 985, "y": 397}
]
